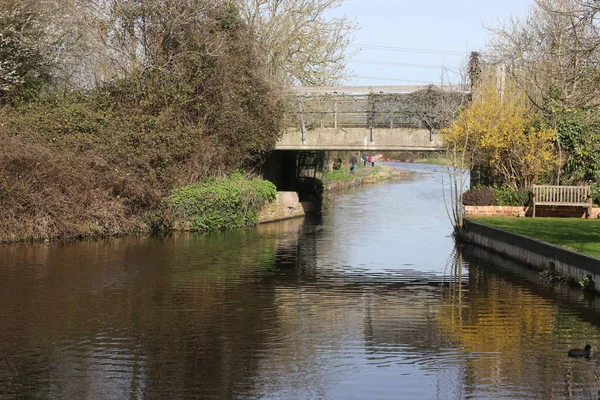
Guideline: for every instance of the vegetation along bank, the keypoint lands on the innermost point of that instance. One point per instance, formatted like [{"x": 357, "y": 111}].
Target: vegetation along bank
[{"x": 113, "y": 118}]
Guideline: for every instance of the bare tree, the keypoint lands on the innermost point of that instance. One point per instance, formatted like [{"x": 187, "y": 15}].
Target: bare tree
[
  {"x": 38, "y": 43},
  {"x": 553, "y": 53},
  {"x": 302, "y": 44}
]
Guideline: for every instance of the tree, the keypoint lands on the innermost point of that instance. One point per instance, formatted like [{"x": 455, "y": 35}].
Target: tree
[
  {"x": 579, "y": 135},
  {"x": 553, "y": 53},
  {"x": 188, "y": 94},
  {"x": 499, "y": 133},
  {"x": 302, "y": 44},
  {"x": 36, "y": 37}
]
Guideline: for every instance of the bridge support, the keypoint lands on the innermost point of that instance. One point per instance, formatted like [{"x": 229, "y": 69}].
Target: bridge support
[{"x": 280, "y": 168}]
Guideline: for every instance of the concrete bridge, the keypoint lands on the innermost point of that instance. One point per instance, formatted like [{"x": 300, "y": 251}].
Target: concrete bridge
[{"x": 372, "y": 118}]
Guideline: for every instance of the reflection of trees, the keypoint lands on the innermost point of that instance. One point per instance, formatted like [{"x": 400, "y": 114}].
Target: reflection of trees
[
  {"x": 512, "y": 333},
  {"x": 245, "y": 314},
  {"x": 164, "y": 318},
  {"x": 504, "y": 308}
]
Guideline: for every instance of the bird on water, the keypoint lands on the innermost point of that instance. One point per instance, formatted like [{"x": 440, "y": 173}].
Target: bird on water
[{"x": 585, "y": 352}]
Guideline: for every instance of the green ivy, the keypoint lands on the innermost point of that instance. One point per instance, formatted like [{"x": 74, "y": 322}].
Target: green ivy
[
  {"x": 579, "y": 135},
  {"x": 218, "y": 204}
]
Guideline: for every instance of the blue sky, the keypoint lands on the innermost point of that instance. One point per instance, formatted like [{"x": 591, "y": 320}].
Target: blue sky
[{"x": 444, "y": 26}]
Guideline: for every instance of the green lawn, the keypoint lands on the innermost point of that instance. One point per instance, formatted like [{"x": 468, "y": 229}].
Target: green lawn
[{"x": 582, "y": 235}]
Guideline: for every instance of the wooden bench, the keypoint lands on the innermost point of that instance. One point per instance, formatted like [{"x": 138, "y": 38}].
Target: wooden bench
[{"x": 571, "y": 196}]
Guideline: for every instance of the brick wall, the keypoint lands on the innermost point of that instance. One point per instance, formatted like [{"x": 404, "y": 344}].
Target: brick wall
[{"x": 540, "y": 211}]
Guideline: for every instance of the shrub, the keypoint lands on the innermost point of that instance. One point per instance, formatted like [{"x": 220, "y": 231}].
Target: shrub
[
  {"x": 47, "y": 194},
  {"x": 479, "y": 196},
  {"x": 221, "y": 203},
  {"x": 595, "y": 192},
  {"x": 337, "y": 164},
  {"x": 507, "y": 196}
]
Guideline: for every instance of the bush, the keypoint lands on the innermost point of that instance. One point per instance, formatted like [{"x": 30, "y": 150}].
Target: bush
[
  {"x": 479, "y": 196},
  {"x": 221, "y": 203},
  {"x": 507, "y": 196},
  {"x": 100, "y": 161},
  {"x": 48, "y": 194},
  {"x": 595, "y": 192}
]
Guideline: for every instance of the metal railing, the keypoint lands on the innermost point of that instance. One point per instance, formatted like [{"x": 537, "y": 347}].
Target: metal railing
[{"x": 349, "y": 112}]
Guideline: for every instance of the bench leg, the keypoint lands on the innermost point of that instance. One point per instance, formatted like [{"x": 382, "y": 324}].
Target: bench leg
[{"x": 533, "y": 213}]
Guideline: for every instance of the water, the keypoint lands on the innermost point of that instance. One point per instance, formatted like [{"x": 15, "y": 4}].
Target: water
[{"x": 369, "y": 301}]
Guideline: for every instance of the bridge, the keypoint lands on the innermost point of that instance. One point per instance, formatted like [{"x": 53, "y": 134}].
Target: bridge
[{"x": 372, "y": 118}]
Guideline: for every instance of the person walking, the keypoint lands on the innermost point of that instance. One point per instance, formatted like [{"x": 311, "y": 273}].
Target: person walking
[
  {"x": 353, "y": 162},
  {"x": 370, "y": 160}
]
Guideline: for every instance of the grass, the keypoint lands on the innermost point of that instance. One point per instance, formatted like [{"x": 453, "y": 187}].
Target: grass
[
  {"x": 434, "y": 161},
  {"x": 344, "y": 175},
  {"x": 581, "y": 235}
]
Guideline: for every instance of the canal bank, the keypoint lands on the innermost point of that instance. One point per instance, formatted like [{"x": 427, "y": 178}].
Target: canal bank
[
  {"x": 288, "y": 204},
  {"x": 575, "y": 267},
  {"x": 364, "y": 176}
]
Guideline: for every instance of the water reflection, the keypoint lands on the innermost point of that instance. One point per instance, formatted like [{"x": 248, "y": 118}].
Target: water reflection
[{"x": 369, "y": 301}]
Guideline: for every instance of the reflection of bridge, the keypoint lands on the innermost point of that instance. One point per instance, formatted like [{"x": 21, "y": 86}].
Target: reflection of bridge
[{"x": 367, "y": 117}]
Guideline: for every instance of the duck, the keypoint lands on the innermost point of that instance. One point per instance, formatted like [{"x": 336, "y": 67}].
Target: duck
[{"x": 585, "y": 352}]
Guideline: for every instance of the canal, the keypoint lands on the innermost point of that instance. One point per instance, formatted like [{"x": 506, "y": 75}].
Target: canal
[{"x": 371, "y": 300}]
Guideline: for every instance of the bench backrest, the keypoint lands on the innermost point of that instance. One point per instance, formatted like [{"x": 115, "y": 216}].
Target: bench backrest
[{"x": 561, "y": 195}]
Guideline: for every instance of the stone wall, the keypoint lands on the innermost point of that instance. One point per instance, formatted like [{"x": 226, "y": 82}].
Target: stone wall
[{"x": 286, "y": 205}]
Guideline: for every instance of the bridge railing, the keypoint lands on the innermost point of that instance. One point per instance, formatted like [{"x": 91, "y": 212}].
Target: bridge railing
[
  {"x": 347, "y": 112},
  {"x": 423, "y": 108}
]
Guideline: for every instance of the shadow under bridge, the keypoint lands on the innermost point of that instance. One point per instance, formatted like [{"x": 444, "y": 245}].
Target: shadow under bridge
[{"x": 396, "y": 118}]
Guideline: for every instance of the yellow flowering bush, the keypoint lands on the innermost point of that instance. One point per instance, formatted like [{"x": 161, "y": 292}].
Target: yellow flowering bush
[{"x": 498, "y": 131}]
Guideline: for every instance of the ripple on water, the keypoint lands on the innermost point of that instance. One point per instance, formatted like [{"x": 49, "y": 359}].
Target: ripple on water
[{"x": 368, "y": 301}]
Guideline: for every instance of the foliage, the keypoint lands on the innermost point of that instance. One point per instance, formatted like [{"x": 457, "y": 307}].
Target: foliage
[
  {"x": 48, "y": 194},
  {"x": 33, "y": 44},
  {"x": 337, "y": 164},
  {"x": 199, "y": 84},
  {"x": 344, "y": 175},
  {"x": 578, "y": 234},
  {"x": 479, "y": 196},
  {"x": 431, "y": 108},
  {"x": 508, "y": 196},
  {"x": 497, "y": 131},
  {"x": 595, "y": 193},
  {"x": 552, "y": 53},
  {"x": 221, "y": 203},
  {"x": 201, "y": 69},
  {"x": 197, "y": 103},
  {"x": 503, "y": 196},
  {"x": 586, "y": 282},
  {"x": 579, "y": 135}
]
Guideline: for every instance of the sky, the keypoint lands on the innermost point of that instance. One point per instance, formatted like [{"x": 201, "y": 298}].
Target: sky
[{"x": 447, "y": 30}]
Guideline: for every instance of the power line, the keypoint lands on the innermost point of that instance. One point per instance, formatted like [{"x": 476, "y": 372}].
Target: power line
[
  {"x": 393, "y": 79},
  {"x": 396, "y": 64},
  {"x": 409, "y": 50}
]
